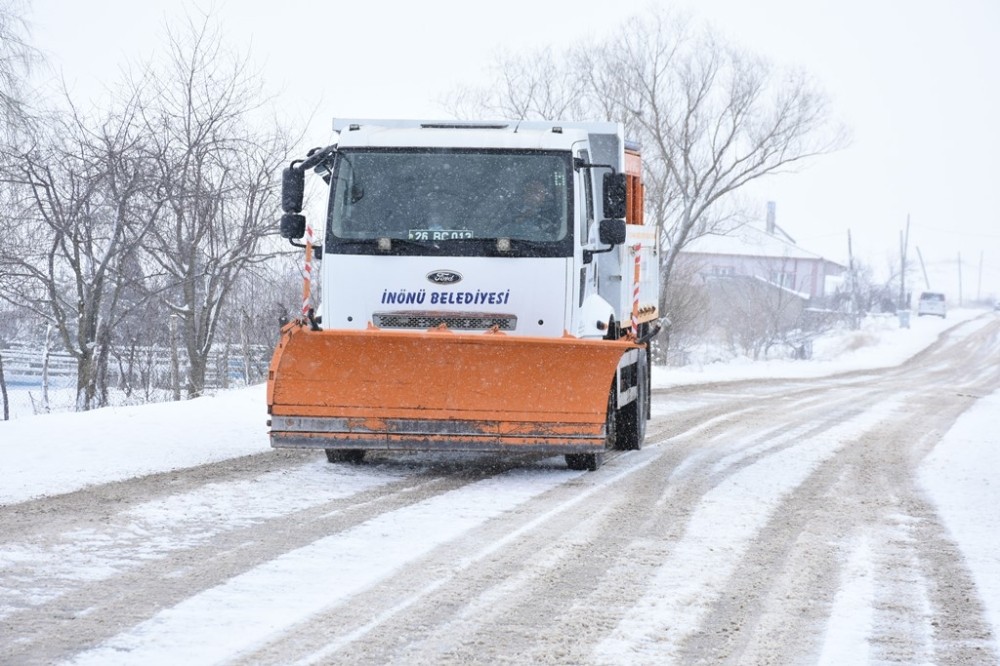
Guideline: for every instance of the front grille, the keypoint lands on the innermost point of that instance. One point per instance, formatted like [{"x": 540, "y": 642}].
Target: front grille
[{"x": 460, "y": 321}]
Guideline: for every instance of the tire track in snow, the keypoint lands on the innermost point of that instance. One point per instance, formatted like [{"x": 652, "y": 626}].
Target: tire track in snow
[
  {"x": 777, "y": 601},
  {"x": 443, "y": 599},
  {"x": 564, "y": 543},
  {"x": 46, "y": 567},
  {"x": 730, "y": 515},
  {"x": 224, "y": 620},
  {"x": 133, "y": 581},
  {"x": 872, "y": 484},
  {"x": 570, "y": 561}
]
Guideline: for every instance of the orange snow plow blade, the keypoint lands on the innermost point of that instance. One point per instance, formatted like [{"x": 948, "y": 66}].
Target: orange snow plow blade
[{"x": 405, "y": 390}]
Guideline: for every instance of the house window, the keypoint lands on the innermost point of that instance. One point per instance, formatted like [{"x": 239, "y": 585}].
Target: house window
[{"x": 783, "y": 279}]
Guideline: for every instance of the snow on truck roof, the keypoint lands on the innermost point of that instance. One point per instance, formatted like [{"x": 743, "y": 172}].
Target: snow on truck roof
[{"x": 540, "y": 135}]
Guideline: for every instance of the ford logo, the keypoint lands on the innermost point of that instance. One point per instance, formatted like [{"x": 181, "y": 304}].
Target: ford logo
[{"x": 444, "y": 277}]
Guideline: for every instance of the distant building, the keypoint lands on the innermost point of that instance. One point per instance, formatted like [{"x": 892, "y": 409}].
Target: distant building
[{"x": 764, "y": 253}]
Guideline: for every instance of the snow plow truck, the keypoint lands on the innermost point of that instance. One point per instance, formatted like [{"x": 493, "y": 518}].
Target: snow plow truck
[{"x": 486, "y": 286}]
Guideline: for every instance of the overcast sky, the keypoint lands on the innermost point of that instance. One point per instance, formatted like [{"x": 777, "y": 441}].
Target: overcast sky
[{"x": 918, "y": 82}]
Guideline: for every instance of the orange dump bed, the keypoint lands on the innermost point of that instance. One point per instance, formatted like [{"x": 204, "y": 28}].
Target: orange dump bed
[{"x": 405, "y": 390}]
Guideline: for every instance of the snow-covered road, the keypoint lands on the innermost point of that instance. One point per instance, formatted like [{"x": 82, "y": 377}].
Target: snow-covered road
[{"x": 817, "y": 520}]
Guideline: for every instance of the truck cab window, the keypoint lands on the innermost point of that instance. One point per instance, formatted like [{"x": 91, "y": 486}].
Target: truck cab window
[{"x": 452, "y": 199}]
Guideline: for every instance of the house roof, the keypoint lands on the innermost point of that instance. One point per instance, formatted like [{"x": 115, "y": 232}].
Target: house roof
[{"x": 749, "y": 241}]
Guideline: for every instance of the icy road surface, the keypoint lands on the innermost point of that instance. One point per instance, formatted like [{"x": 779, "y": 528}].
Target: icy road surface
[{"x": 778, "y": 521}]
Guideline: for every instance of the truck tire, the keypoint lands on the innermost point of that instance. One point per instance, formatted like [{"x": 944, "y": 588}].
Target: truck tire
[
  {"x": 355, "y": 456},
  {"x": 631, "y": 427},
  {"x": 590, "y": 462}
]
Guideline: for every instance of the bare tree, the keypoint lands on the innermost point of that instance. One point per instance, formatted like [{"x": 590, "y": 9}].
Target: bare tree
[
  {"x": 83, "y": 205},
  {"x": 537, "y": 85},
  {"x": 264, "y": 295},
  {"x": 863, "y": 292},
  {"x": 79, "y": 194},
  {"x": 711, "y": 117},
  {"x": 755, "y": 315},
  {"x": 216, "y": 173},
  {"x": 690, "y": 316},
  {"x": 17, "y": 57}
]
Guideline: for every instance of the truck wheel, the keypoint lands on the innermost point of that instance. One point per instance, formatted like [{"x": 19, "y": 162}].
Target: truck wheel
[
  {"x": 584, "y": 461},
  {"x": 355, "y": 456},
  {"x": 631, "y": 428},
  {"x": 593, "y": 461}
]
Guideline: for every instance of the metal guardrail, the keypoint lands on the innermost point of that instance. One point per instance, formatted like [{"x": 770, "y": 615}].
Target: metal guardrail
[{"x": 25, "y": 366}]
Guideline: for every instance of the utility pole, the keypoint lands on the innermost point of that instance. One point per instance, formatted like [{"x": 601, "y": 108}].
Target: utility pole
[
  {"x": 904, "y": 241},
  {"x": 979, "y": 285},
  {"x": 959, "y": 279},
  {"x": 855, "y": 320},
  {"x": 923, "y": 268}
]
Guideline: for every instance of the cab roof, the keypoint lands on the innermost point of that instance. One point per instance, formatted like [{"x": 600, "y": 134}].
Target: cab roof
[{"x": 538, "y": 135}]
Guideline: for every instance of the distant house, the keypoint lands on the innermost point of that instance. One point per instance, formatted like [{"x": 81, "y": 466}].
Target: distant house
[{"x": 764, "y": 254}]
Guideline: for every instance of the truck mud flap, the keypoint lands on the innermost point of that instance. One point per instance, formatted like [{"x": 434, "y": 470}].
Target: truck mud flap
[{"x": 439, "y": 390}]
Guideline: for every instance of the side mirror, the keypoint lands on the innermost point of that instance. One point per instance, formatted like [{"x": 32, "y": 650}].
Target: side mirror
[
  {"x": 293, "y": 226},
  {"x": 614, "y": 195},
  {"x": 293, "y": 185},
  {"x": 612, "y": 232}
]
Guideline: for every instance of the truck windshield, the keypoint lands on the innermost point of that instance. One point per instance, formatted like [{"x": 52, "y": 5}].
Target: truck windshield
[{"x": 451, "y": 201}]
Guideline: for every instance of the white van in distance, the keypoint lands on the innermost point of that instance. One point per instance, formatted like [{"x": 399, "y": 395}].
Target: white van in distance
[{"x": 931, "y": 303}]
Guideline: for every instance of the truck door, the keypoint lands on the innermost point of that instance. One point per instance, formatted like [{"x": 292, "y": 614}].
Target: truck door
[{"x": 586, "y": 222}]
